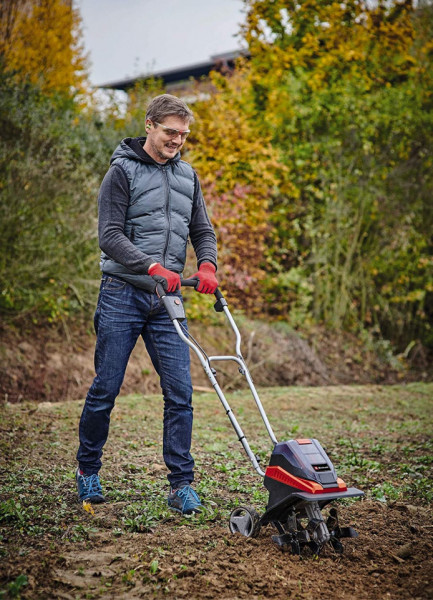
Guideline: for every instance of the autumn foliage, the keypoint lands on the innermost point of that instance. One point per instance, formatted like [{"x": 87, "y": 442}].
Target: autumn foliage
[
  {"x": 39, "y": 43},
  {"x": 314, "y": 154},
  {"x": 238, "y": 167},
  {"x": 337, "y": 102}
]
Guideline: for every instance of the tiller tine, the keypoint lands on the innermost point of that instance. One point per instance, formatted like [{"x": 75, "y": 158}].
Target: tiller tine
[
  {"x": 345, "y": 532},
  {"x": 292, "y": 541},
  {"x": 335, "y": 530}
]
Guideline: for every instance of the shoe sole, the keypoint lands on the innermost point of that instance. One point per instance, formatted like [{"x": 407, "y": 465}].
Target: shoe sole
[
  {"x": 92, "y": 500},
  {"x": 190, "y": 512}
]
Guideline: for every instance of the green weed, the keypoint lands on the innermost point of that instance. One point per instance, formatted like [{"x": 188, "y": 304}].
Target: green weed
[
  {"x": 145, "y": 515},
  {"x": 14, "y": 588},
  {"x": 80, "y": 532},
  {"x": 128, "y": 578},
  {"x": 153, "y": 568},
  {"x": 12, "y": 511},
  {"x": 386, "y": 492}
]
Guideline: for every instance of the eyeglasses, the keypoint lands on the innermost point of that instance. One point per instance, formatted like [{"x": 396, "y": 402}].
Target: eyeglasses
[{"x": 173, "y": 133}]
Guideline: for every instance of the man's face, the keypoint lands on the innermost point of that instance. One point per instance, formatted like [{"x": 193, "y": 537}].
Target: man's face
[{"x": 161, "y": 144}]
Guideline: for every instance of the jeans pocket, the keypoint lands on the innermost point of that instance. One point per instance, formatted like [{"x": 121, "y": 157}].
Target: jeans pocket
[{"x": 113, "y": 284}]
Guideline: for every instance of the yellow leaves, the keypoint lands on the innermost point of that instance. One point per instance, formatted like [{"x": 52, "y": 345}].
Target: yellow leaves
[
  {"x": 42, "y": 45},
  {"x": 414, "y": 296},
  {"x": 425, "y": 262},
  {"x": 328, "y": 38},
  {"x": 238, "y": 169},
  {"x": 88, "y": 507}
]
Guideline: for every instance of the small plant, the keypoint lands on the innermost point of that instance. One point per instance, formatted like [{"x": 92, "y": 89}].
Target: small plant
[
  {"x": 11, "y": 511},
  {"x": 128, "y": 578},
  {"x": 385, "y": 492},
  {"x": 142, "y": 517},
  {"x": 82, "y": 532},
  {"x": 153, "y": 567},
  {"x": 15, "y": 587}
]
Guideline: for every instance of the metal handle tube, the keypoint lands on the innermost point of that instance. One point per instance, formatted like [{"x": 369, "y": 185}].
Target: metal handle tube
[
  {"x": 247, "y": 375},
  {"x": 260, "y": 406},
  {"x": 222, "y": 398},
  {"x": 239, "y": 359},
  {"x": 235, "y": 329},
  {"x": 237, "y": 428},
  {"x": 228, "y": 357}
]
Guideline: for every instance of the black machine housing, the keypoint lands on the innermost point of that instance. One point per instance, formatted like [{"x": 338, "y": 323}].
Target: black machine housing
[{"x": 301, "y": 472}]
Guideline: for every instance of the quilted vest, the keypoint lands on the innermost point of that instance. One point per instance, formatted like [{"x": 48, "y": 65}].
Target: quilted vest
[{"x": 158, "y": 216}]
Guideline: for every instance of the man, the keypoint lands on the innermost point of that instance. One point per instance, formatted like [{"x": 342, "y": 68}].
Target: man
[{"x": 150, "y": 203}]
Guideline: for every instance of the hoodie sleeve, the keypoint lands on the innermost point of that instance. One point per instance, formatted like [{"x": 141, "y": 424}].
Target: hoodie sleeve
[
  {"x": 113, "y": 203},
  {"x": 201, "y": 232}
]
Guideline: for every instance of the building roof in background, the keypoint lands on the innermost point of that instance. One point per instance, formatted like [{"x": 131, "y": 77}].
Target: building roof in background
[{"x": 171, "y": 77}]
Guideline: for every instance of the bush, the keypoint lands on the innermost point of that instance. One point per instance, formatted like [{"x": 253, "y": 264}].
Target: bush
[{"x": 50, "y": 163}]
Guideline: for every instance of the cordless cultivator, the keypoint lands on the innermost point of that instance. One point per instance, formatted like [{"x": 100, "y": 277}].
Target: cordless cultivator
[{"x": 300, "y": 478}]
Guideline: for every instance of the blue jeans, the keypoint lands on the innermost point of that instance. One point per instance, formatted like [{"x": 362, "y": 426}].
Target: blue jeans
[{"x": 123, "y": 313}]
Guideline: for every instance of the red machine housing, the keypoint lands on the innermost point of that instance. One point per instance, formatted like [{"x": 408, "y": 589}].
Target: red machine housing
[{"x": 299, "y": 472}]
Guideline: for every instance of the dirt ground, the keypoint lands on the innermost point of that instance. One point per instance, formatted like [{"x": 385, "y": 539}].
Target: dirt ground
[
  {"x": 379, "y": 437},
  {"x": 391, "y": 558}
]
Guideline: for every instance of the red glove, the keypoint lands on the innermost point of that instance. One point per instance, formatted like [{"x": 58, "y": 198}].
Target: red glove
[
  {"x": 206, "y": 275},
  {"x": 169, "y": 280}
]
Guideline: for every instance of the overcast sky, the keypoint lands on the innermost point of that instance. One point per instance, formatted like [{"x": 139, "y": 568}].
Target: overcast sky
[{"x": 126, "y": 38}]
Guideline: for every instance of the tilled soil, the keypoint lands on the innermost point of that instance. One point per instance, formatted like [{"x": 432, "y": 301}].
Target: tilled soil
[{"x": 391, "y": 558}]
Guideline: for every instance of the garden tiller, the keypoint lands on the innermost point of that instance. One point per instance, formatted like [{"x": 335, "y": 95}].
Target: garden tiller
[{"x": 300, "y": 478}]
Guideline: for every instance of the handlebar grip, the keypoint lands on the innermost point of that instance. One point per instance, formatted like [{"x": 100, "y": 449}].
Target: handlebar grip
[
  {"x": 189, "y": 282},
  {"x": 193, "y": 283},
  {"x": 160, "y": 290},
  {"x": 186, "y": 283},
  {"x": 183, "y": 282},
  {"x": 220, "y": 303}
]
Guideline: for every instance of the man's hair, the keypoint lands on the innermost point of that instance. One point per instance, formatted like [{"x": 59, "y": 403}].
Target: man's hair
[{"x": 167, "y": 105}]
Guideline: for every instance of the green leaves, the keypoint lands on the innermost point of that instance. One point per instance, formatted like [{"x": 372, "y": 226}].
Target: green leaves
[
  {"x": 50, "y": 175},
  {"x": 343, "y": 95}
]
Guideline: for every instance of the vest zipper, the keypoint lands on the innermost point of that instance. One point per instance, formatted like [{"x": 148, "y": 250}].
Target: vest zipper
[{"x": 167, "y": 214}]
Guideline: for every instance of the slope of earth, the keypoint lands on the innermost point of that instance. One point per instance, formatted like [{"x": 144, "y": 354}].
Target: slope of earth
[
  {"x": 379, "y": 438},
  {"x": 55, "y": 364}
]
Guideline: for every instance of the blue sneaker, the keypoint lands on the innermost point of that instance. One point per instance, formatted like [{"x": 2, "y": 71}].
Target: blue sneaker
[
  {"x": 89, "y": 487},
  {"x": 184, "y": 500}
]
